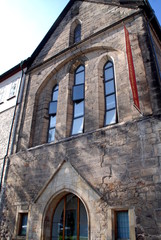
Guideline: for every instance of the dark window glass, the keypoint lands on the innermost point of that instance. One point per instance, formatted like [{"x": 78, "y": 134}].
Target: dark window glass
[
  {"x": 70, "y": 220},
  {"x": 78, "y": 101},
  {"x": 52, "y": 114},
  {"x": 52, "y": 107},
  {"x": 57, "y": 225},
  {"x": 110, "y": 94},
  {"x": 77, "y": 34},
  {"x": 23, "y": 224},
  {"x": 83, "y": 231},
  {"x": 122, "y": 225},
  {"x": 78, "y": 92}
]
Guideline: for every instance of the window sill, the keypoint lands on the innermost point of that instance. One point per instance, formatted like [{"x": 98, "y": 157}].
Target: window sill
[{"x": 19, "y": 238}]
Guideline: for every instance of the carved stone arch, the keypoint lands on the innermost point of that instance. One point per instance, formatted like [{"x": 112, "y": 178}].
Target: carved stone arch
[
  {"x": 74, "y": 24},
  {"x": 68, "y": 65},
  {"x": 43, "y": 97},
  {"x": 66, "y": 179},
  {"x": 73, "y": 65},
  {"x": 40, "y": 118},
  {"x": 50, "y": 210}
]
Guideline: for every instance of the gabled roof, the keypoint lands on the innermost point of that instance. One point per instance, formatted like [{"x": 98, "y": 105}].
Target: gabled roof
[
  {"x": 152, "y": 18},
  {"x": 142, "y": 4},
  {"x": 130, "y": 3}
]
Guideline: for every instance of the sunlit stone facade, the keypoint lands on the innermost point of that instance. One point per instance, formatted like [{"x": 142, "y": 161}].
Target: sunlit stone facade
[{"x": 107, "y": 170}]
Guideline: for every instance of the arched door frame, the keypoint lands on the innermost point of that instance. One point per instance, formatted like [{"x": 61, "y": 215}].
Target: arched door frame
[{"x": 48, "y": 214}]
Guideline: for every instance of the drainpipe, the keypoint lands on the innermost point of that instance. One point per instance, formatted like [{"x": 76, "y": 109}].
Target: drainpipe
[
  {"x": 13, "y": 127},
  {"x": 18, "y": 103}
]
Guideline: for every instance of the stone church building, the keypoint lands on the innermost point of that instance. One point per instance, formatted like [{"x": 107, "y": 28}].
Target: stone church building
[{"x": 86, "y": 160}]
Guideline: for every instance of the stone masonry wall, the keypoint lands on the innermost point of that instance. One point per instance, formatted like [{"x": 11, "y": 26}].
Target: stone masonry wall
[
  {"x": 121, "y": 162},
  {"x": 6, "y": 121},
  {"x": 85, "y": 12},
  {"x": 110, "y": 44}
]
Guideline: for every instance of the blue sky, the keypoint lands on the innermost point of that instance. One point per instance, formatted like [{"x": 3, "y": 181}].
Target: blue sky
[
  {"x": 23, "y": 24},
  {"x": 156, "y": 5}
]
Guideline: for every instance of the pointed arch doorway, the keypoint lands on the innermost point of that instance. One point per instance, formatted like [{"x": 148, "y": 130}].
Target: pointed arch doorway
[{"x": 69, "y": 220}]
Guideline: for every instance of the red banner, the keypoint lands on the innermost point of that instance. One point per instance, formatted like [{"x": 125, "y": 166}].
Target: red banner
[{"x": 131, "y": 70}]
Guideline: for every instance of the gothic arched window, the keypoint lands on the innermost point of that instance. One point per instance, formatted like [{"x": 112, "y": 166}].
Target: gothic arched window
[
  {"x": 78, "y": 100},
  {"x": 110, "y": 94},
  {"x": 70, "y": 219},
  {"x": 52, "y": 114},
  {"x": 77, "y": 33}
]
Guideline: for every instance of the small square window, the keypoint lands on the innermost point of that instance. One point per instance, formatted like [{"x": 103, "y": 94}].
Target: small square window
[
  {"x": 13, "y": 90},
  {"x": 23, "y": 224}
]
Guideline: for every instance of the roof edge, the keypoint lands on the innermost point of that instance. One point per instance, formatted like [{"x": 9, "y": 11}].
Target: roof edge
[
  {"x": 152, "y": 19},
  {"x": 14, "y": 70},
  {"x": 143, "y": 4},
  {"x": 50, "y": 32}
]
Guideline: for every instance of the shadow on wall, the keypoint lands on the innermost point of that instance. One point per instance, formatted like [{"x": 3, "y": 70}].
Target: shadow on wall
[
  {"x": 151, "y": 73},
  {"x": 112, "y": 160},
  {"x": 56, "y": 41}
]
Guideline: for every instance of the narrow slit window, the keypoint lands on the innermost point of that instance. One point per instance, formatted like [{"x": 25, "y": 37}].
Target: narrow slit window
[
  {"x": 122, "y": 225},
  {"x": 110, "y": 94},
  {"x": 78, "y": 101},
  {"x": 23, "y": 224},
  {"x": 52, "y": 114},
  {"x": 77, "y": 33}
]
